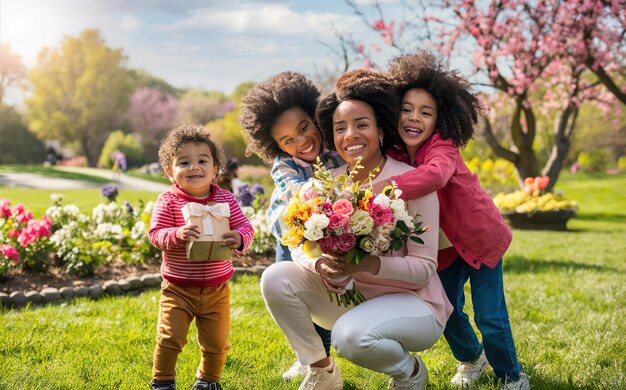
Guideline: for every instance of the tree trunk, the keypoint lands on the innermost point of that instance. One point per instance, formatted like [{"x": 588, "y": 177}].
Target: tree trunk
[
  {"x": 526, "y": 164},
  {"x": 564, "y": 127}
]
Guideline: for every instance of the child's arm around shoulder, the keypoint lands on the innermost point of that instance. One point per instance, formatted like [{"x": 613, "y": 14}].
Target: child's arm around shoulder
[
  {"x": 287, "y": 176},
  {"x": 432, "y": 175},
  {"x": 239, "y": 225}
]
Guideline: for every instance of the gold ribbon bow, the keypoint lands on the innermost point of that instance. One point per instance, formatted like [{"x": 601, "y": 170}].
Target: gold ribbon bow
[{"x": 219, "y": 211}]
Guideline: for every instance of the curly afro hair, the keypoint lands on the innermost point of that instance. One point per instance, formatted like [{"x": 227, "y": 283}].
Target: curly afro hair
[
  {"x": 458, "y": 108},
  {"x": 178, "y": 137},
  {"x": 266, "y": 101},
  {"x": 371, "y": 87}
]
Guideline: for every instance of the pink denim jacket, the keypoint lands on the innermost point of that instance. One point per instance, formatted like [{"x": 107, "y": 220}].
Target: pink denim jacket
[{"x": 467, "y": 215}]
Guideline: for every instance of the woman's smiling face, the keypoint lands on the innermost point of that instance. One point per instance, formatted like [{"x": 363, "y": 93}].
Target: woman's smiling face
[
  {"x": 356, "y": 133},
  {"x": 296, "y": 134}
]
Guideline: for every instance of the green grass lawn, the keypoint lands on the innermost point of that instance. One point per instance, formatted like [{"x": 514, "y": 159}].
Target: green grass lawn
[{"x": 565, "y": 291}]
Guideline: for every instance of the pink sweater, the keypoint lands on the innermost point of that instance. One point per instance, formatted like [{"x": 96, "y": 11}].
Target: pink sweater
[
  {"x": 411, "y": 270},
  {"x": 167, "y": 218}
]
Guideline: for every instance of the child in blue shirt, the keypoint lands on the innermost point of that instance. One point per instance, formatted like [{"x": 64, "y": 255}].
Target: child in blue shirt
[{"x": 277, "y": 116}]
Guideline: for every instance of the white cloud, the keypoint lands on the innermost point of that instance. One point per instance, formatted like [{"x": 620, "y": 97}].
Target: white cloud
[
  {"x": 275, "y": 19},
  {"x": 130, "y": 23}
]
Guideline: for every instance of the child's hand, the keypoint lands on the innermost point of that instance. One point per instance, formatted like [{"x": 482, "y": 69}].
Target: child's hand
[
  {"x": 187, "y": 232},
  {"x": 232, "y": 239},
  {"x": 378, "y": 187}
]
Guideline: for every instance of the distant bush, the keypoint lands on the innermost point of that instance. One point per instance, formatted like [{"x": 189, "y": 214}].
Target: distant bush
[
  {"x": 127, "y": 144},
  {"x": 621, "y": 163},
  {"x": 17, "y": 144},
  {"x": 495, "y": 175},
  {"x": 594, "y": 161}
]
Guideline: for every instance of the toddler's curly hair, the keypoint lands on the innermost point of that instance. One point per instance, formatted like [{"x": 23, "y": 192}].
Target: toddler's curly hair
[
  {"x": 266, "y": 101},
  {"x": 178, "y": 137},
  {"x": 371, "y": 87},
  {"x": 458, "y": 109}
]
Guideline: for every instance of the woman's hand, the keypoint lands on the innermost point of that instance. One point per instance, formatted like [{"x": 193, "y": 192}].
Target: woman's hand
[
  {"x": 187, "y": 232},
  {"x": 333, "y": 277}
]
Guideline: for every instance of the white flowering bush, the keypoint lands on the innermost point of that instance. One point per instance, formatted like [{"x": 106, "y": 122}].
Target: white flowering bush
[
  {"x": 252, "y": 202},
  {"x": 112, "y": 232},
  {"x": 264, "y": 242}
]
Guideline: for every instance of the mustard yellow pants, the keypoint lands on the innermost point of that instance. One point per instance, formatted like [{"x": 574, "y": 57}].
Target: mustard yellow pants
[{"x": 178, "y": 306}]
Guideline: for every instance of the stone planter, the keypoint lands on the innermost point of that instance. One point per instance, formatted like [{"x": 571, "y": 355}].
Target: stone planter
[{"x": 540, "y": 220}]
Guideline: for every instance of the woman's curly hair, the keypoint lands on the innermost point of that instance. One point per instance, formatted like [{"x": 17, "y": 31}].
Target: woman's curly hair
[
  {"x": 178, "y": 137},
  {"x": 371, "y": 87},
  {"x": 458, "y": 108},
  {"x": 266, "y": 101}
]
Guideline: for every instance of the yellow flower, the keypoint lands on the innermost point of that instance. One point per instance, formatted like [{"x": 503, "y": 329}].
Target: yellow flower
[{"x": 312, "y": 249}]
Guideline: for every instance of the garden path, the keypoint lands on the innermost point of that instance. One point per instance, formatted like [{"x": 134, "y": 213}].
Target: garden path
[{"x": 122, "y": 181}]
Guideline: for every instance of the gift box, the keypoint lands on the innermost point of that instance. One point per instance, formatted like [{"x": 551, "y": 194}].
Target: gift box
[{"x": 212, "y": 221}]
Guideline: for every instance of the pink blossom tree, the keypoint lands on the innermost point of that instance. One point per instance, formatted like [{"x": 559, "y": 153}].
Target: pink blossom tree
[
  {"x": 151, "y": 112},
  {"x": 545, "y": 56}
]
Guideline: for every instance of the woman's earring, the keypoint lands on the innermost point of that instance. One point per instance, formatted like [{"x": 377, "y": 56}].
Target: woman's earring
[{"x": 381, "y": 142}]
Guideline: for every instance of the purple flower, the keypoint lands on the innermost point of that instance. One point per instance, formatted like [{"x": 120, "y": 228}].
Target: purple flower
[
  {"x": 109, "y": 192},
  {"x": 245, "y": 196},
  {"x": 257, "y": 189}
]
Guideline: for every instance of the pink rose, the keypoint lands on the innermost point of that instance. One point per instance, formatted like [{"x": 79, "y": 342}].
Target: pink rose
[
  {"x": 327, "y": 208},
  {"x": 327, "y": 244},
  {"x": 338, "y": 221},
  {"x": 343, "y": 207},
  {"x": 381, "y": 215},
  {"x": 310, "y": 194},
  {"x": 345, "y": 242}
]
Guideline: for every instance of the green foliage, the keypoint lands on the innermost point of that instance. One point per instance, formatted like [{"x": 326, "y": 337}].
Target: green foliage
[
  {"x": 80, "y": 90},
  {"x": 621, "y": 163},
  {"x": 594, "y": 161},
  {"x": 141, "y": 78},
  {"x": 229, "y": 134},
  {"x": 240, "y": 92},
  {"x": 127, "y": 144},
  {"x": 201, "y": 106},
  {"x": 17, "y": 144}
]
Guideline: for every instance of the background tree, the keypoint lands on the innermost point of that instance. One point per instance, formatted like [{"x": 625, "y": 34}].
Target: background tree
[
  {"x": 141, "y": 78},
  {"x": 12, "y": 70},
  {"x": 79, "y": 92},
  {"x": 151, "y": 112},
  {"x": 517, "y": 48},
  {"x": 17, "y": 144},
  {"x": 228, "y": 131},
  {"x": 197, "y": 106}
]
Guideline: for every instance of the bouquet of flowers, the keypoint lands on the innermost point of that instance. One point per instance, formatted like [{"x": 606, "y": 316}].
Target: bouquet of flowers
[{"x": 336, "y": 215}]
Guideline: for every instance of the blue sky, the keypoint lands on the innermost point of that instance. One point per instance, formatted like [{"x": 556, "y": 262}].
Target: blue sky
[{"x": 212, "y": 45}]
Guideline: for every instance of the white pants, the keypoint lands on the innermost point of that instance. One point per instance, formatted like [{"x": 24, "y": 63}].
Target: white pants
[{"x": 376, "y": 334}]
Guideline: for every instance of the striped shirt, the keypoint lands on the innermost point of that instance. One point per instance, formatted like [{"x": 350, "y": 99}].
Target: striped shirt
[
  {"x": 167, "y": 217},
  {"x": 289, "y": 174}
]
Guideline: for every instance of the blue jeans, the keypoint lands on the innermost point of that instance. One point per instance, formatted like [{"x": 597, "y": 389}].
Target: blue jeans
[
  {"x": 490, "y": 315},
  {"x": 284, "y": 254}
]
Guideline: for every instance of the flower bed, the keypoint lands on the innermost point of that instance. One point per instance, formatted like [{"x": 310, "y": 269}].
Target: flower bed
[
  {"x": 533, "y": 208},
  {"x": 79, "y": 244}
]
